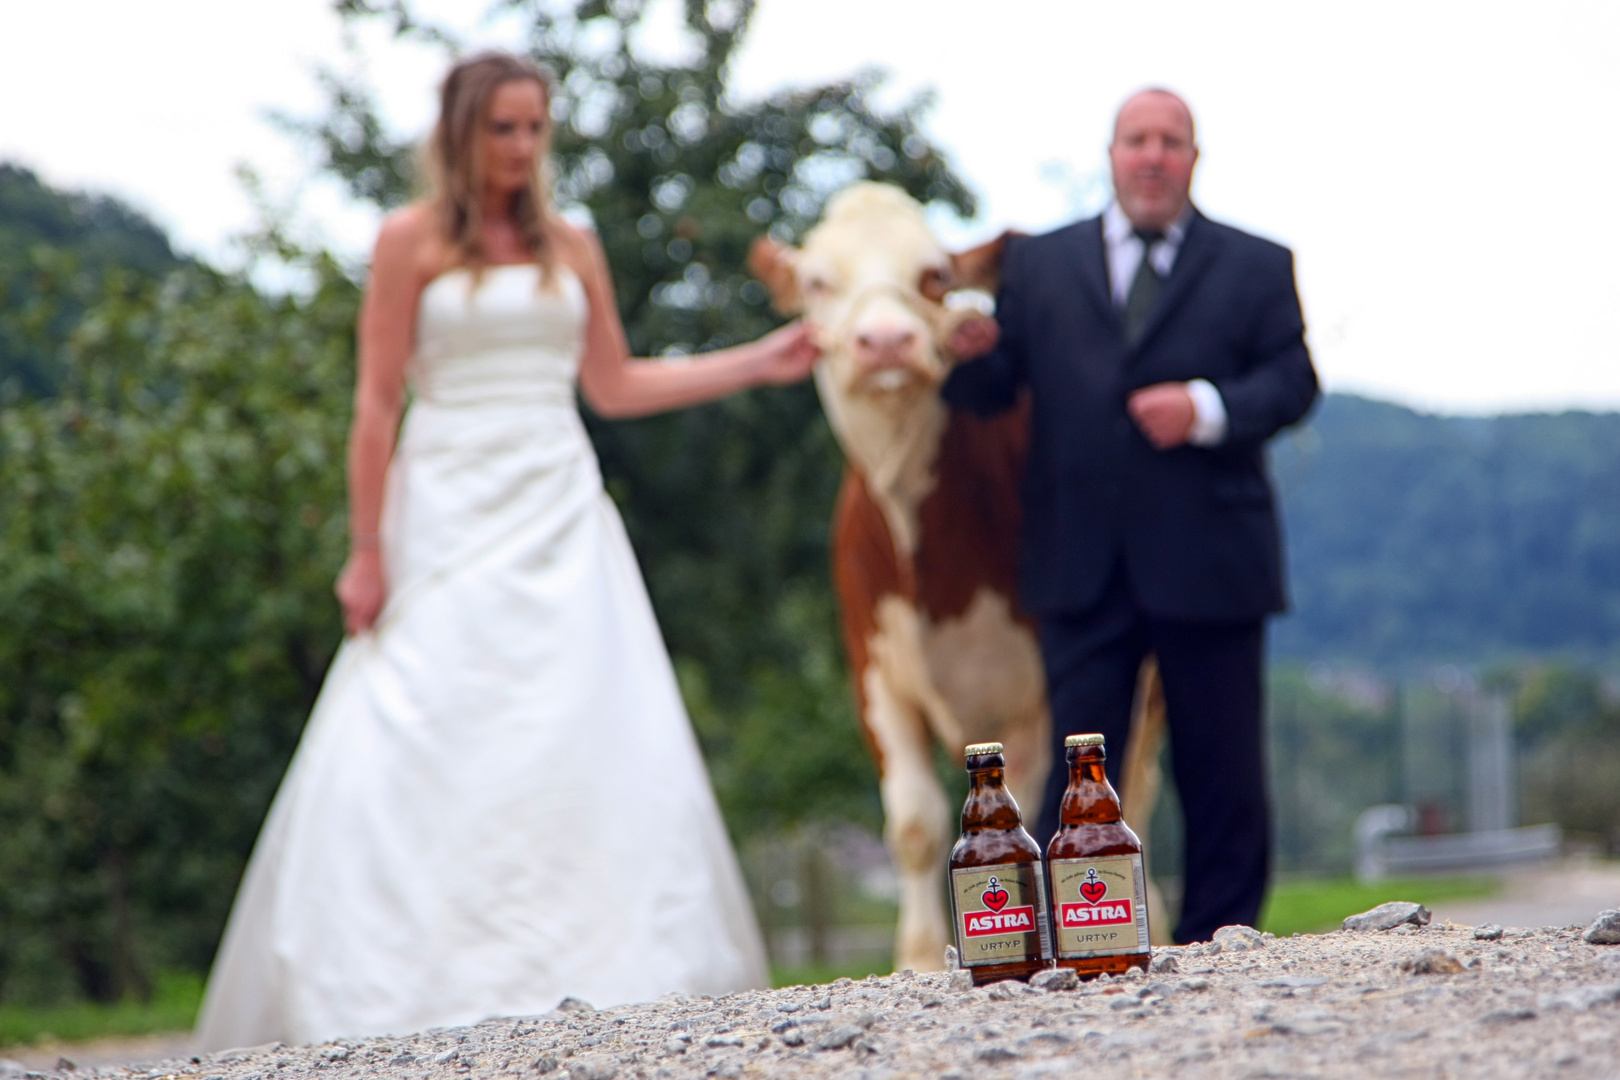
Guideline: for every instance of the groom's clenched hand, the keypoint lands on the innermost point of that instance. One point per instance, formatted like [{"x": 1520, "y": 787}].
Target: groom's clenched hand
[
  {"x": 1165, "y": 412},
  {"x": 974, "y": 337}
]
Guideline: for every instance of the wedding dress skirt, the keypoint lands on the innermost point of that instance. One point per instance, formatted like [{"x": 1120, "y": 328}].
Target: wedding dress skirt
[{"x": 498, "y": 801}]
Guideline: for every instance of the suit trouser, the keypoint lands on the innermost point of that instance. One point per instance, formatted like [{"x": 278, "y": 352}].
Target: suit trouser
[{"x": 1212, "y": 674}]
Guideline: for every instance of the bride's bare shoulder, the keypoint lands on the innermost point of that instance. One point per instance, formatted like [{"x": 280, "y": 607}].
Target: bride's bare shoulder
[
  {"x": 409, "y": 240},
  {"x": 576, "y": 246}
]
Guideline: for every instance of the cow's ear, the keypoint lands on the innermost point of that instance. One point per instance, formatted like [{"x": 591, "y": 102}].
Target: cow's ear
[
  {"x": 980, "y": 267},
  {"x": 773, "y": 264}
]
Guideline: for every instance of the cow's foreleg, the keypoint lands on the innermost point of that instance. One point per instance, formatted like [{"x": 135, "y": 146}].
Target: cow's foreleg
[
  {"x": 1140, "y": 779},
  {"x": 916, "y": 821}
]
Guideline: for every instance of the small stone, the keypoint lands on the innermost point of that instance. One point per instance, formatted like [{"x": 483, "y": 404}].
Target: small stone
[
  {"x": 1581, "y": 998},
  {"x": 930, "y": 1000},
  {"x": 1061, "y": 978},
  {"x": 1510, "y": 1015},
  {"x": 953, "y": 962},
  {"x": 574, "y": 1004},
  {"x": 546, "y": 1063},
  {"x": 793, "y": 1037},
  {"x": 1489, "y": 932},
  {"x": 593, "y": 1068},
  {"x": 1236, "y": 939},
  {"x": 1005, "y": 990},
  {"x": 1390, "y": 915},
  {"x": 995, "y": 1055},
  {"x": 1195, "y": 984},
  {"x": 1432, "y": 962},
  {"x": 823, "y": 1004},
  {"x": 1163, "y": 964},
  {"x": 783, "y": 1025},
  {"x": 64, "y": 1065},
  {"x": 838, "y": 1037},
  {"x": 960, "y": 981},
  {"x": 723, "y": 1040},
  {"x": 447, "y": 1057},
  {"x": 1605, "y": 931}
]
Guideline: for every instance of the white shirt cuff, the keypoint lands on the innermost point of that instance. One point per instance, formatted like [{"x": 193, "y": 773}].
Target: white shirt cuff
[{"x": 1209, "y": 414}]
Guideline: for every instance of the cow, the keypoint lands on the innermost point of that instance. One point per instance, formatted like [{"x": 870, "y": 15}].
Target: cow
[{"x": 925, "y": 535}]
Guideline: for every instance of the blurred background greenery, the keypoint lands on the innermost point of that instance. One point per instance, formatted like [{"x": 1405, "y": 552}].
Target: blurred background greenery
[{"x": 172, "y": 517}]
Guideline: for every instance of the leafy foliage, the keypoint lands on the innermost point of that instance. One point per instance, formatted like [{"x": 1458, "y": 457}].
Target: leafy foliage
[
  {"x": 45, "y": 235},
  {"x": 172, "y": 522},
  {"x": 171, "y": 516},
  {"x": 727, "y": 505}
]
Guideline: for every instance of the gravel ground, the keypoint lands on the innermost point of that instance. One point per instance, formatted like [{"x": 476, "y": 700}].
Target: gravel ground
[{"x": 1424, "y": 1002}]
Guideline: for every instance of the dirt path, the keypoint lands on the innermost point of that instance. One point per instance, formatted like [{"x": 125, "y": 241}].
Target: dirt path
[
  {"x": 1535, "y": 1002},
  {"x": 1573, "y": 892}
]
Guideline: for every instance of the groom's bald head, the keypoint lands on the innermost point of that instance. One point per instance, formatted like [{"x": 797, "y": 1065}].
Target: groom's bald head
[{"x": 1152, "y": 157}]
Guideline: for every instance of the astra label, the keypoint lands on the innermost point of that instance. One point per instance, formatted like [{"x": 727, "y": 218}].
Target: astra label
[
  {"x": 1101, "y": 908},
  {"x": 1000, "y": 913}
]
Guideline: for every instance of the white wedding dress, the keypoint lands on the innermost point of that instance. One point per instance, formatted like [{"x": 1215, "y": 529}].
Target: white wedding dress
[{"x": 498, "y": 801}]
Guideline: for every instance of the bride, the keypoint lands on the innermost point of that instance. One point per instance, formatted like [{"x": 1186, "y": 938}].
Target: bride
[{"x": 498, "y": 801}]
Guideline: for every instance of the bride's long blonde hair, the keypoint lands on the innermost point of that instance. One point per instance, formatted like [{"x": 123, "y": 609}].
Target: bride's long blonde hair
[{"x": 454, "y": 166}]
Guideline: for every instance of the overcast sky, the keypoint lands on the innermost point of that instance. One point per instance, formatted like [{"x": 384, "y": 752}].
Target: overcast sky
[{"x": 1443, "y": 171}]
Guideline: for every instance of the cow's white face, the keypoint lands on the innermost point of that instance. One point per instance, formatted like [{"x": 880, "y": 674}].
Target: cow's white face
[{"x": 869, "y": 279}]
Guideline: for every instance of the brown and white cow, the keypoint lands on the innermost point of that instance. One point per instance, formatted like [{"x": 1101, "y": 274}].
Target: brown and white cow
[{"x": 925, "y": 535}]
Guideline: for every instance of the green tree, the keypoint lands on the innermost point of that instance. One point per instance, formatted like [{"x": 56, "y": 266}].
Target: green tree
[
  {"x": 44, "y": 234},
  {"x": 728, "y": 505},
  {"x": 169, "y": 527},
  {"x": 172, "y": 514}
]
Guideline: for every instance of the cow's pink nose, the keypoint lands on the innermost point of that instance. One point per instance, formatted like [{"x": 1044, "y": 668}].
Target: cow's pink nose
[{"x": 881, "y": 345}]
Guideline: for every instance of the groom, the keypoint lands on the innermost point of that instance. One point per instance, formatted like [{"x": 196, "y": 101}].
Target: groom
[{"x": 1160, "y": 351}]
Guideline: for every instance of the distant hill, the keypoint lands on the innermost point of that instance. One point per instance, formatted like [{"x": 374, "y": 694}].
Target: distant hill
[
  {"x": 37, "y": 225},
  {"x": 1415, "y": 538}
]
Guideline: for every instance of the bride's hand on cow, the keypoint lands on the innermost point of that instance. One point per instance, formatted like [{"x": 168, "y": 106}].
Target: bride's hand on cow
[
  {"x": 974, "y": 337},
  {"x": 786, "y": 355},
  {"x": 361, "y": 589},
  {"x": 1165, "y": 412}
]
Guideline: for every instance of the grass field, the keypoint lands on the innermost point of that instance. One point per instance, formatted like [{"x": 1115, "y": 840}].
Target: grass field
[
  {"x": 1299, "y": 905},
  {"x": 173, "y": 1007}
]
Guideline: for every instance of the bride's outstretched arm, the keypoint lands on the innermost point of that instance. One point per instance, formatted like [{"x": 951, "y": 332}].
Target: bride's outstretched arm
[
  {"x": 617, "y": 385},
  {"x": 384, "y": 340}
]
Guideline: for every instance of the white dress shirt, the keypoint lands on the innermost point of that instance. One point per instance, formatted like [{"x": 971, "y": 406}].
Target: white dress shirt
[{"x": 1124, "y": 256}]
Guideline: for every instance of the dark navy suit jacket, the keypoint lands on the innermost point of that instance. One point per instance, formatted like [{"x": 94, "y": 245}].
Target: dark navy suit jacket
[{"x": 1195, "y": 527}]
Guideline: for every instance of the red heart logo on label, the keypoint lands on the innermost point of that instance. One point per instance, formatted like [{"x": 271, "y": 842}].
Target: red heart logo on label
[
  {"x": 1093, "y": 890},
  {"x": 994, "y": 898}
]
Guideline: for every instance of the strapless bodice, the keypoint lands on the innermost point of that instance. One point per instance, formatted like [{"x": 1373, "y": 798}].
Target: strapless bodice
[{"x": 504, "y": 340}]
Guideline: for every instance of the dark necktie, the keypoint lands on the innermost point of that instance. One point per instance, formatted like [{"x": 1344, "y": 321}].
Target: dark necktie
[{"x": 1144, "y": 292}]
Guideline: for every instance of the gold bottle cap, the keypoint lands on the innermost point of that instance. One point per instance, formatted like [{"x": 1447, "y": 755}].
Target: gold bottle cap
[
  {"x": 1083, "y": 740},
  {"x": 983, "y": 748}
]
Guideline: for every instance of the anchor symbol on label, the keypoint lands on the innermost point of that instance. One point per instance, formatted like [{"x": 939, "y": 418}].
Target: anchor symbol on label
[
  {"x": 995, "y": 897},
  {"x": 1092, "y": 889}
]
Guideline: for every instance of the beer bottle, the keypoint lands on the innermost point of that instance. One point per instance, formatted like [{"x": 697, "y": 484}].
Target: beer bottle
[
  {"x": 998, "y": 892},
  {"x": 1094, "y": 862}
]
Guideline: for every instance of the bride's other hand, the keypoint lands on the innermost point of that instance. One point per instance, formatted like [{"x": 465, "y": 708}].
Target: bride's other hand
[
  {"x": 361, "y": 590},
  {"x": 787, "y": 355}
]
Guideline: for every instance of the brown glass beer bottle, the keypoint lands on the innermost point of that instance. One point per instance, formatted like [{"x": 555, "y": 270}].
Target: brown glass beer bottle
[
  {"x": 998, "y": 892},
  {"x": 1094, "y": 866}
]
